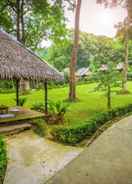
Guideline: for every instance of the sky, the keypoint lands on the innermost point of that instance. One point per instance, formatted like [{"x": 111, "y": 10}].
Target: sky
[{"x": 97, "y": 19}]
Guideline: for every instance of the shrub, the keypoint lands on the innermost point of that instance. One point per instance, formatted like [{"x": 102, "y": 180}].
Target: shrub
[
  {"x": 39, "y": 127},
  {"x": 3, "y": 159},
  {"x": 73, "y": 135},
  {"x": 57, "y": 111},
  {"x": 59, "y": 107},
  {"x": 38, "y": 106},
  {"x": 22, "y": 100}
]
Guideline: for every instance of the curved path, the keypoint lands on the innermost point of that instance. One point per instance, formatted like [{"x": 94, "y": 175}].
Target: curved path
[
  {"x": 33, "y": 160},
  {"x": 108, "y": 160}
]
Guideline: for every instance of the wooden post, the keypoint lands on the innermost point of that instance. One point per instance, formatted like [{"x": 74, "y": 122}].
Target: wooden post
[
  {"x": 46, "y": 96},
  {"x": 17, "y": 92}
]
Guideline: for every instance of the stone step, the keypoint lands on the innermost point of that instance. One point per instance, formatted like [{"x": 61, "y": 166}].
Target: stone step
[
  {"x": 14, "y": 129},
  {"x": 13, "y": 123}
]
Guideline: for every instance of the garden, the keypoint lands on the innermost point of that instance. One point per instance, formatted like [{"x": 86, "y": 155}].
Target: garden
[
  {"x": 79, "y": 117},
  {"x": 67, "y": 84}
]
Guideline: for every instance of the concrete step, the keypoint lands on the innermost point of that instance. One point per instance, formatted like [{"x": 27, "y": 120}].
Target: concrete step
[
  {"x": 14, "y": 129},
  {"x": 13, "y": 123}
]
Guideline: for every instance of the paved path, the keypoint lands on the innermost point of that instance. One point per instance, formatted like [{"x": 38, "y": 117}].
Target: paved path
[
  {"x": 33, "y": 160},
  {"x": 108, "y": 160}
]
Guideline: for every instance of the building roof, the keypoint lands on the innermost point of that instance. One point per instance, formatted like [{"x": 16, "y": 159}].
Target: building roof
[
  {"x": 104, "y": 67},
  {"x": 83, "y": 71},
  {"x": 17, "y": 62},
  {"x": 120, "y": 66}
]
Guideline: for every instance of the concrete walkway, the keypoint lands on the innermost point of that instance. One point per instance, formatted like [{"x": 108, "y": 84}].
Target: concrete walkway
[
  {"x": 33, "y": 160},
  {"x": 108, "y": 160}
]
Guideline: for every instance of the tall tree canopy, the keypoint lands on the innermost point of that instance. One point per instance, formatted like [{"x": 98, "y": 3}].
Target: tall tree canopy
[
  {"x": 125, "y": 29},
  {"x": 40, "y": 19}
]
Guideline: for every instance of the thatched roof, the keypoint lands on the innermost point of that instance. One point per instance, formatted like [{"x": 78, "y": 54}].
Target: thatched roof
[{"x": 16, "y": 62}]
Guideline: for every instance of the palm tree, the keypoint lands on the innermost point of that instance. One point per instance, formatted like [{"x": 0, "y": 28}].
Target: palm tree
[{"x": 72, "y": 80}]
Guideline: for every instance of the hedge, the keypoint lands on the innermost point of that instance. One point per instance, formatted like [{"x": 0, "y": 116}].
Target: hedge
[
  {"x": 73, "y": 135},
  {"x": 3, "y": 159}
]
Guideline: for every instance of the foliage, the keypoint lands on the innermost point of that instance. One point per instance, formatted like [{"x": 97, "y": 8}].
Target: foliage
[
  {"x": 87, "y": 49},
  {"x": 22, "y": 100},
  {"x": 89, "y": 52},
  {"x": 73, "y": 135},
  {"x": 41, "y": 19},
  {"x": 6, "y": 84},
  {"x": 59, "y": 107},
  {"x": 59, "y": 55},
  {"x": 39, "y": 127},
  {"x": 3, "y": 159},
  {"x": 38, "y": 106},
  {"x": 105, "y": 68},
  {"x": 56, "y": 111}
]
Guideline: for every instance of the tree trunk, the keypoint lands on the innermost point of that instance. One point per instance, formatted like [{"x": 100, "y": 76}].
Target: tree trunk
[
  {"x": 46, "y": 96},
  {"x": 22, "y": 22},
  {"x": 72, "y": 80},
  {"x": 17, "y": 92},
  {"x": 19, "y": 39},
  {"x": 109, "y": 97},
  {"x": 24, "y": 84},
  {"x": 125, "y": 67},
  {"x": 18, "y": 20}
]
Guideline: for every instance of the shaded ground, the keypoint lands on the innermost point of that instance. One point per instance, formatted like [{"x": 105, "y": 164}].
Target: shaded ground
[
  {"x": 108, "y": 160},
  {"x": 33, "y": 160}
]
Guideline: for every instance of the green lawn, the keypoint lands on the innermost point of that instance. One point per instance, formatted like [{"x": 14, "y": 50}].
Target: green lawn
[{"x": 89, "y": 101}]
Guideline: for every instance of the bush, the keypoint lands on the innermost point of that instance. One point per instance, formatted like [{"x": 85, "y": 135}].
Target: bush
[
  {"x": 22, "y": 100},
  {"x": 73, "y": 135},
  {"x": 57, "y": 111},
  {"x": 39, "y": 127},
  {"x": 3, "y": 160},
  {"x": 38, "y": 106}
]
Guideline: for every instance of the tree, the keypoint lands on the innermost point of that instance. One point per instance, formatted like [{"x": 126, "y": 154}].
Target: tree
[
  {"x": 126, "y": 25},
  {"x": 33, "y": 20},
  {"x": 58, "y": 54},
  {"x": 125, "y": 68},
  {"x": 72, "y": 80},
  {"x": 124, "y": 34},
  {"x": 38, "y": 19},
  {"x": 105, "y": 71}
]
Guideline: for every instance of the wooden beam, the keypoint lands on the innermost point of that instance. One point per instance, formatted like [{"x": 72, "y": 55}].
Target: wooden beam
[
  {"x": 17, "y": 92},
  {"x": 46, "y": 96}
]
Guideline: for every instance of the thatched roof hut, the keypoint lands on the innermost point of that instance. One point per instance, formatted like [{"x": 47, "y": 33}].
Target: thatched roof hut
[{"x": 18, "y": 62}]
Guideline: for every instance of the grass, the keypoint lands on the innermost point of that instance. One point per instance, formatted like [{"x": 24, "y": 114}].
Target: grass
[{"x": 89, "y": 102}]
